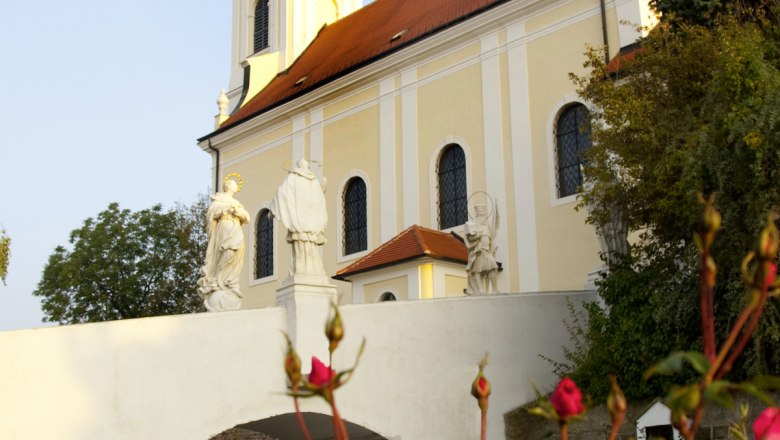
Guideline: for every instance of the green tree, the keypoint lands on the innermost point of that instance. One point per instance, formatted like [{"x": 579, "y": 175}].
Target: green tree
[
  {"x": 5, "y": 254},
  {"x": 125, "y": 264},
  {"x": 697, "y": 111}
]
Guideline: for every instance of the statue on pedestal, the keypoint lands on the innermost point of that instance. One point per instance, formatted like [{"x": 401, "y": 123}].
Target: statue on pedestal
[
  {"x": 482, "y": 267},
  {"x": 299, "y": 204},
  {"x": 218, "y": 285}
]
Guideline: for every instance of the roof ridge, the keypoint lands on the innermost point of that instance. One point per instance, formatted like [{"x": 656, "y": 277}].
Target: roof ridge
[{"x": 381, "y": 246}]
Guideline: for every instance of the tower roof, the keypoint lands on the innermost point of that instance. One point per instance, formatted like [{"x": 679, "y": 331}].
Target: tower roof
[
  {"x": 413, "y": 242},
  {"x": 369, "y": 34}
]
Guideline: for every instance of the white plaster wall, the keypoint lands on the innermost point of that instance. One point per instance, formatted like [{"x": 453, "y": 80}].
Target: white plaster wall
[
  {"x": 193, "y": 376},
  {"x": 415, "y": 377},
  {"x": 177, "y": 377}
]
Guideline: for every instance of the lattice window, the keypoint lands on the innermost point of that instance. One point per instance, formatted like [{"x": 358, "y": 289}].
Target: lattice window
[
  {"x": 451, "y": 172},
  {"x": 261, "y": 25},
  {"x": 572, "y": 139},
  {"x": 355, "y": 224},
  {"x": 264, "y": 245}
]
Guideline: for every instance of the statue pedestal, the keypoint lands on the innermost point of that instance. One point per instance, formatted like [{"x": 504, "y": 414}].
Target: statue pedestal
[{"x": 307, "y": 300}]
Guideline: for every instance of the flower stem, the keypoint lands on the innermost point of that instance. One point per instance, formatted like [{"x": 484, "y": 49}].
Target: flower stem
[
  {"x": 484, "y": 424},
  {"x": 706, "y": 300},
  {"x": 298, "y": 414},
  {"x": 564, "y": 431}
]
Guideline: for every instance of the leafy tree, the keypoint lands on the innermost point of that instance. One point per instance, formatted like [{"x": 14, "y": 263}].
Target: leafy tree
[
  {"x": 697, "y": 111},
  {"x": 5, "y": 254},
  {"x": 125, "y": 264}
]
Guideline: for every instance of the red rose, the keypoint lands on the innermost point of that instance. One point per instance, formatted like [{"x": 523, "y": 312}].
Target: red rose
[
  {"x": 767, "y": 425},
  {"x": 320, "y": 374},
  {"x": 567, "y": 399}
]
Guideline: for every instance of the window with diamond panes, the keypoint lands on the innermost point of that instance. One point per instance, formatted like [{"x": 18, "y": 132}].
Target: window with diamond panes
[
  {"x": 572, "y": 139},
  {"x": 261, "y": 25},
  {"x": 452, "y": 187},
  {"x": 264, "y": 245},
  {"x": 355, "y": 225}
]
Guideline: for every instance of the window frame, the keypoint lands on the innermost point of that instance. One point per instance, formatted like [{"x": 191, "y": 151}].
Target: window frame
[
  {"x": 252, "y": 262},
  {"x": 340, "y": 257},
  {"x": 345, "y": 209},
  {"x": 436, "y": 181},
  {"x": 552, "y": 151},
  {"x": 253, "y": 23}
]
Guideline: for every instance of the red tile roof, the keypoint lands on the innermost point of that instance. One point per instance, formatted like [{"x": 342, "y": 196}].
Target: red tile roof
[
  {"x": 357, "y": 40},
  {"x": 625, "y": 56},
  {"x": 413, "y": 242}
]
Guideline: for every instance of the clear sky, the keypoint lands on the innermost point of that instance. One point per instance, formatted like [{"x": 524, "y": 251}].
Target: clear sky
[{"x": 100, "y": 101}]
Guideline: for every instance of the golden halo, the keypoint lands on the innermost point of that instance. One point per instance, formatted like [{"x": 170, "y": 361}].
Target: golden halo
[{"x": 238, "y": 179}]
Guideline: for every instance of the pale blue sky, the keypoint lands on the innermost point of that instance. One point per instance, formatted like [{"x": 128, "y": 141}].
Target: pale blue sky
[{"x": 99, "y": 102}]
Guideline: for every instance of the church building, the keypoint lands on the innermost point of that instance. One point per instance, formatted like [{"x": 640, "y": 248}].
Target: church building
[{"x": 413, "y": 112}]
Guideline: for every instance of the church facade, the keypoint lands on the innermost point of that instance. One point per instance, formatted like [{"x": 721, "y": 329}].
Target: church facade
[{"x": 413, "y": 112}]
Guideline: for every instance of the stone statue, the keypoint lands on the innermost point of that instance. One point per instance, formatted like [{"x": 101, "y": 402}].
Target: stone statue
[
  {"x": 482, "y": 268},
  {"x": 218, "y": 285},
  {"x": 299, "y": 204}
]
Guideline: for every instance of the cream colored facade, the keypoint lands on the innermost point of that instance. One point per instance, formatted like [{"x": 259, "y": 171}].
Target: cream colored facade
[{"x": 493, "y": 84}]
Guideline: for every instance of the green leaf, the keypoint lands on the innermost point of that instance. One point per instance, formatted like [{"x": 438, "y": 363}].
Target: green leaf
[
  {"x": 720, "y": 392},
  {"x": 674, "y": 362},
  {"x": 683, "y": 399},
  {"x": 670, "y": 365},
  {"x": 698, "y": 361},
  {"x": 756, "y": 392}
]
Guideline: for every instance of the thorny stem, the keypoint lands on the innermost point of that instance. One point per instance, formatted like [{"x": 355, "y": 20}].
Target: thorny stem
[
  {"x": 339, "y": 429},
  {"x": 707, "y": 306},
  {"x": 298, "y": 414},
  {"x": 484, "y": 424},
  {"x": 615, "y": 428},
  {"x": 564, "y": 431},
  {"x": 758, "y": 309}
]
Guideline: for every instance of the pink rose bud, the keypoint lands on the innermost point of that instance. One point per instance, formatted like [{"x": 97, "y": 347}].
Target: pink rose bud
[
  {"x": 770, "y": 275},
  {"x": 320, "y": 374},
  {"x": 767, "y": 425},
  {"x": 567, "y": 399}
]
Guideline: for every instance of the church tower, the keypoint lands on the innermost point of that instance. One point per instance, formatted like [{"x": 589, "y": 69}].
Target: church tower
[{"x": 268, "y": 35}]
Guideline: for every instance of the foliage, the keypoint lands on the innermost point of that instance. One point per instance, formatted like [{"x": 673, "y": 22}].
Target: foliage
[
  {"x": 125, "y": 264},
  {"x": 705, "y": 12},
  {"x": 704, "y": 104},
  {"x": 5, "y": 254}
]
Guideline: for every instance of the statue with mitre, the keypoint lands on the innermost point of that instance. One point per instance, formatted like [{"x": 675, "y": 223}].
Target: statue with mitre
[
  {"x": 218, "y": 285},
  {"x": 299, "y": 204},
  {"x": 482, "y": 268}
]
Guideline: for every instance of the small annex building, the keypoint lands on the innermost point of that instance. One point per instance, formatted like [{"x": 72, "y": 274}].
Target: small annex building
[{"x": 418, "y": 263}]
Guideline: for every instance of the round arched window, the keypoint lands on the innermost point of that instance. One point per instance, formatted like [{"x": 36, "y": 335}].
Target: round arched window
[{"x": 387, "y": 296}]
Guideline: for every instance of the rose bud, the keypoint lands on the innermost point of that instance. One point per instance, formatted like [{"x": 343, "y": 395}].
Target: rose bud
[
  {"x": 320, "y": 374},
  {"x": 567, "y": 399},
  {"x": 767, "y": 425},
  {"x": 768, "y": 242},
  {"x": 292, "y": 366},
  {"x": 480, "y": 389},
  {"x": 334, "y": 329},
  {"x": 616, "y": 401}
]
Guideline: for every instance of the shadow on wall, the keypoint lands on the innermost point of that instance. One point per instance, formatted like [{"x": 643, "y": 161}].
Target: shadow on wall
[{"x": 285, "y": 427}]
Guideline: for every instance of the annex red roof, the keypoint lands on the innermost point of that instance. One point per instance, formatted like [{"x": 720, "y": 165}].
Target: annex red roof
[
  {"x": 413, "y": 242},
  {"x": 357, "y": 40},
  {"x": 625, "y": 56}
]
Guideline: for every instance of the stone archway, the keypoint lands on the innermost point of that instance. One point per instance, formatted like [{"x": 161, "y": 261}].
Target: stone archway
[{"x": 285, "y": 427}]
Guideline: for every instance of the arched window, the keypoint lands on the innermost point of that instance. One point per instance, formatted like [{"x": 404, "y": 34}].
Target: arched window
[
  {"x": 572, "y": 139},
  {"x": 261, "y": 25},
  {"x": 452, "y": 187},
  {"x": 355, "y": 225},
  {"x": 387, "y": 296},
  {"x": 264, "y": 245}
]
